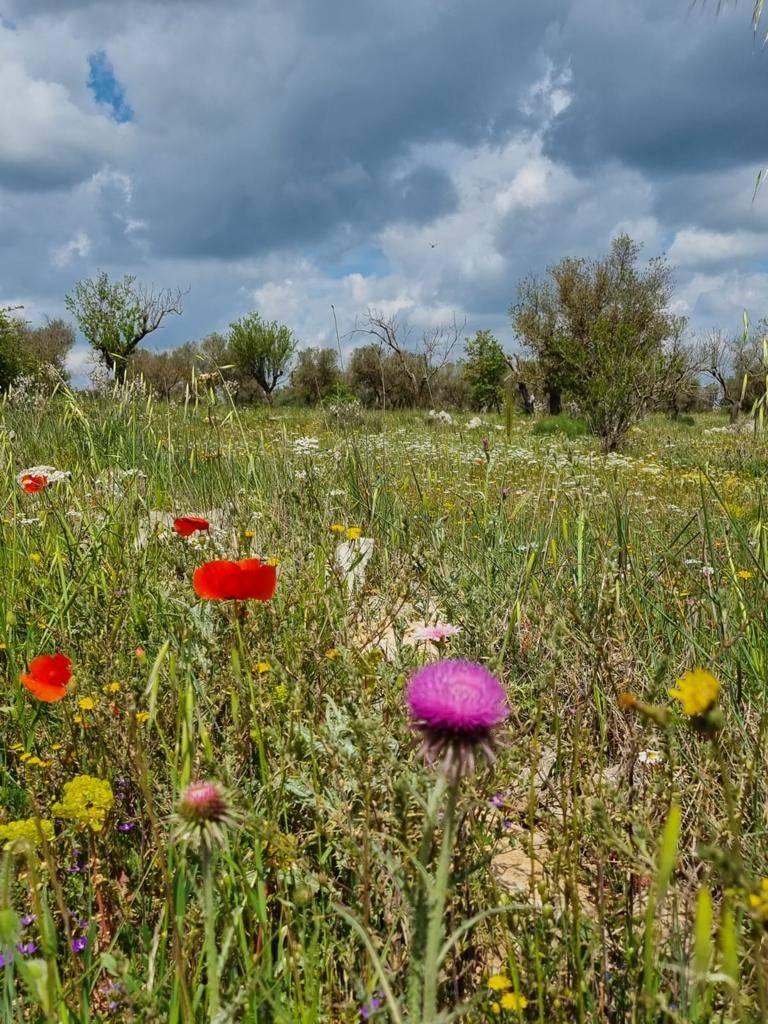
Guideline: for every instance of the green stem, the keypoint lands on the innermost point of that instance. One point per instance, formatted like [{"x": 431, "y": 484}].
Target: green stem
[
  {"x": 436, "y": 910},
  {"x": 209, "y": 920}
]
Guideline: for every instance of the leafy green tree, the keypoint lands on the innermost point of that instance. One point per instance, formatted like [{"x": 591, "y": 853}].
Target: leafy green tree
[
  {"x": 12, "y": 363},
  {"x": 116, "y": 316},
  {"x": 485, "y": 369},
  {"x": 316, "y": 375},
  {"x": 261, "y": 351},
  {"x": 604, "y": 329},
  {"x": 49, "y": 345}
]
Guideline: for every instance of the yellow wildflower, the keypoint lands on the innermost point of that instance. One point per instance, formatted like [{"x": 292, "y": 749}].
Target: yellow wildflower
[
  {"x": 758, "y": 902},
  {"x": 697, "y": 691},
  {"x": 262, "y": 667},
  {"x": 273, "y": 561},
  {"x": 86, "y": 704},
  {"x": 112, "y": 688},
  {"x": 496, "y": 1008},
  {"x": 331, "y": 653},
  {"x": 354, "y": 533},
  {"x": 86, "y": 802},
  {"x": 26, "y": 831},
  {"x": 142, "y": 716},
  {"x": 498, "y": 982},
  {"x": 35, "y": 557},
  {"x": 248, "y": 534},
  {"x": 337, "y": 528},
  {"x": 512, "y": 1001},
  {"x": 744, "y": 574}
]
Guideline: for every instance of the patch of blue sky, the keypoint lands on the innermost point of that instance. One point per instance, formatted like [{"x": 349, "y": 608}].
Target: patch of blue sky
[{"x": 106, "y": 89}]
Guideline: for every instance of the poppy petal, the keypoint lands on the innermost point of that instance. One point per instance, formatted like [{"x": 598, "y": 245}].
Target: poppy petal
[
  {"x": 53, "y": 669},
  {"x": 259, "y": 582},
  {"x": 217, "y": 581},
  {"x": 187, "y": 525},
  {"x": 45, "y": 691}
]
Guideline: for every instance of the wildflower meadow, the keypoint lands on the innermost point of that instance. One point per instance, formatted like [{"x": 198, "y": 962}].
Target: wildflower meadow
[{"x": 399, "y": 718}]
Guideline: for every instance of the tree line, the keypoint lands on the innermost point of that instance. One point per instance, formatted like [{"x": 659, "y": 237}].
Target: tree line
[{"x": 598, "y": 337}]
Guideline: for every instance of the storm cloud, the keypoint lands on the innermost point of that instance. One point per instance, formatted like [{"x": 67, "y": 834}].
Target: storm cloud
[{"x": 420, "y": 156}]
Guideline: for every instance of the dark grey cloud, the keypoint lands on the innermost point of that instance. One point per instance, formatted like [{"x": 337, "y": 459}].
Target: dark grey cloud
[
  {"x": 661, "y": 86},
  {"x": 272, "y": 141}
]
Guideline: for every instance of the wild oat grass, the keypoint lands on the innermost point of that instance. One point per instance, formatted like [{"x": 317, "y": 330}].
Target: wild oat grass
[{"x": 606, "y": 867}]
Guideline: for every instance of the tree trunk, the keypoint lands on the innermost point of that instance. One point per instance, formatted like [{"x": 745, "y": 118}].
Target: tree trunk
[
  {"x": 735, "y": 409},
  {"x": 555, "y": 401},
  {"x": 525, "y": 394}
]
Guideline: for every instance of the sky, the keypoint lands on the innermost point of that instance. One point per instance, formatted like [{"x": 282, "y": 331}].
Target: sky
[{"x": 416, "y": 157}]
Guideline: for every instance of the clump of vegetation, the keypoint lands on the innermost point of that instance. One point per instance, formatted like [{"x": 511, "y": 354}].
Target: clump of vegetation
[{"x": 569, "y": 426}]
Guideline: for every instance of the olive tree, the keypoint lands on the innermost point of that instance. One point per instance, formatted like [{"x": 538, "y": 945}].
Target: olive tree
[
  {"x": 116, "y": 316},
  {"x": 261, "y": 350},
  {"x": 611, "y": 339}
]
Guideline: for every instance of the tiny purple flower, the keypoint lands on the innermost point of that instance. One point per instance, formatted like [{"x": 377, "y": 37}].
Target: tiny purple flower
[
  {"x": 26, "y": 948},
  {"x": 126, "y": 826},
  {"x": 375, "y": 1003},
  {"x": 28, "y": 919},
  {"x": 79, "y": 944}
]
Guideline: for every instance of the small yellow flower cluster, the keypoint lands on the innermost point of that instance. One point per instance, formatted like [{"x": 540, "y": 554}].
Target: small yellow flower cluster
[
  {"x": 352, "y": 532},
  {"x": 697, "y": 692},
  {"x": 26, "y": 831},
  {"x": 508, "y": 1000},
  {"x": 262, "y": 666},
  {"x": 758, "y": 902},
  {"x": 86, "y": 802}
]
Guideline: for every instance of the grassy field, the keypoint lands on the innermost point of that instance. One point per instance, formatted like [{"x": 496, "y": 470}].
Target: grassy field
[{"x": 606, "y": 867}]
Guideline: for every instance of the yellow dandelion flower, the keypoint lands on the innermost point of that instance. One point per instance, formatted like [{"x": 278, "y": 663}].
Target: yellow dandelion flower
[
  {"x": 496, "y": 1008},
  {"x": 262, "y": 667},
  {"x": 86, "y": 704},
  {"x": 512, "y": 1001},
  {"x": 113, "y": 687},
  {"x": 354, "y": 533},
  {"x": 25, "y": 757},
  {"x": 337, "y": 528},
  {"x": 744, "y": 574},
  {"x": 498, "y": 982},
  {"x": 35, "y": 557},
  {"x": 697, "y": 692},
  {"x": 142, "y": 716},
  {"x": 248, "y": 534},
  {"x": 331, "y": 653},
  {"x": 57, "y": 746}
]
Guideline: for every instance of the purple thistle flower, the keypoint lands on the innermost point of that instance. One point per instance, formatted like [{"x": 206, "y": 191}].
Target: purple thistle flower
[
  {"x": 26, "y": 948},
  {"x": 456, "y": 705}
]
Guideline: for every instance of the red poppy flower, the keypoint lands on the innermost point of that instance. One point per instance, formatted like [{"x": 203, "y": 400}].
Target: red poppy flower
[
  {"x": 245, "y": 580},
  {"x": 187, "y": 525},
  {"x": 48, "y": 677},
  {"x": 33, "y": 483}
]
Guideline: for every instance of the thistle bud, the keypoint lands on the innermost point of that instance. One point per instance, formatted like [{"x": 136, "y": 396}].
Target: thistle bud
[{"x": 201, "y": 802}]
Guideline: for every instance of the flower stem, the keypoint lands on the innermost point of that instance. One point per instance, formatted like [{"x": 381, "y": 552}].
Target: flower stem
[
  {"x": 436, "y": 909},
  {"x": 209, "y": 922}
]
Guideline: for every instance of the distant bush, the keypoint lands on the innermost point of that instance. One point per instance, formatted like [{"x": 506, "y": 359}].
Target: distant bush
[{"x": 570, "y": 426}]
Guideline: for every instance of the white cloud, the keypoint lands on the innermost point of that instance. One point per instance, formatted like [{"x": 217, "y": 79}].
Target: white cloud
[
  {"x": 695, "y": 247},
  {"x": 79, "y": 247}
]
